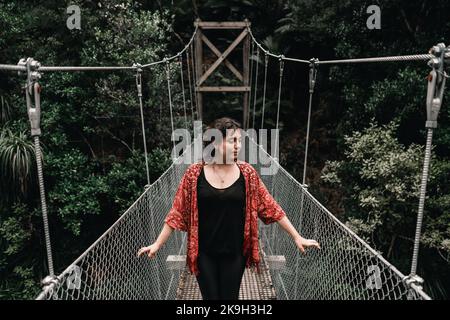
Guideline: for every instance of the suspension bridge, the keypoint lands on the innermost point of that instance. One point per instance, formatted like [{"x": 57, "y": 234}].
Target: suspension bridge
[{"x": 345, "y": 268}]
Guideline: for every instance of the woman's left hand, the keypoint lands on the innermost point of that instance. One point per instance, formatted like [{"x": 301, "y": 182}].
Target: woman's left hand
[{"x": 303, "y": 244}]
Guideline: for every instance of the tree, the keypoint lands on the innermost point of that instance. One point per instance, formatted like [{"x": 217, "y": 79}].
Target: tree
[
  {"x": 17, "y": 162},
  {"x": 379, "y": 180},
  {"x": 90, "y": 129}
]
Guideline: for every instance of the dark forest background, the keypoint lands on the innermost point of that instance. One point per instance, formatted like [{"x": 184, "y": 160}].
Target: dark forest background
[{"x": 367, "y": 135}]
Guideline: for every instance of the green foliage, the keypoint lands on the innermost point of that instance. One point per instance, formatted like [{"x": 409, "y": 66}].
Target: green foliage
[
  {"x": 437, "y": 221},
  {"x": 5, "y": 110},
  {"x": 17, "y": 265},
  {"x": 128, "y": 177},
  {"x": 12, "y": 231},
  {"x": 21, "y": 285},
  {"x": 380, "y": 180},
  {"x": 17, "y": 160},
  {"x": 129, "y": 35},
  {"x": 91, "y": 129},
  {"x": 93, "y": 158},
  {"x": 75, "y": 188}
]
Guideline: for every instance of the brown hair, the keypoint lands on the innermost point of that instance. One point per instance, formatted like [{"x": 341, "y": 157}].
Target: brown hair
[{"x": 222, "y": 124}]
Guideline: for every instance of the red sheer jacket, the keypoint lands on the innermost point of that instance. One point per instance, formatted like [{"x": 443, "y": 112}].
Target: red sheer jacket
[{"x": 259, "y": 203}]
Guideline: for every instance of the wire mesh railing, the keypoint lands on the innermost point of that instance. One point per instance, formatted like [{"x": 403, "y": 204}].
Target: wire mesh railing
[
  {"x": 110, "y": 269},
  {"x": 345, "y": 268}
]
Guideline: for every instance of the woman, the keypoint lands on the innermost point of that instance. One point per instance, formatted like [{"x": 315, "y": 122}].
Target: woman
[{"x": 218, "y": 204}]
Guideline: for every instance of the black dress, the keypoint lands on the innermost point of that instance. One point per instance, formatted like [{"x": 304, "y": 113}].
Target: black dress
[{"x": 221, "y": 216}]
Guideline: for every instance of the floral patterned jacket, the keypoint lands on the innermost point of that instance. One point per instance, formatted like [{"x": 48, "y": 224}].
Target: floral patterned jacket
[{"x": 259, "y": 203}]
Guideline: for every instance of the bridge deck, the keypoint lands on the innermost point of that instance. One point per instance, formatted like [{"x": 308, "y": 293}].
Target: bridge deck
[{"x": 253, "y": 286}]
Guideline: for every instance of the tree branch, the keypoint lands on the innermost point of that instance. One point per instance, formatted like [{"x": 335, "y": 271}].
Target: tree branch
[
  {"x": 405, "y": 20},
  {"x": 114, "y": 136},
  {"x": 179, "y": 38},
  {"x": 421, "y": 14},
  {"x": 195, "y": 6},
  {"x": 391, "y": 247},
  {"x": 87, "y": 143},
  {"x": 445, "y": 259},
  {"x": 406, "y": 238}
]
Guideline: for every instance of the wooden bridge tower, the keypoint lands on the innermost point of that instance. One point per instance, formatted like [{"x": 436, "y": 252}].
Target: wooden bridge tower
[{"x": 200, "y": 76}]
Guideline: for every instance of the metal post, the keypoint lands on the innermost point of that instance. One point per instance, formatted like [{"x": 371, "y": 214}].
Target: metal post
[
  {"x": 169, "y": 92},
  {"x": 138, "y": 68},
  {"x": 33, "y": 91},
  {"x": 246, "y": 76},
  {"x": 312, "y": 83},
  {"x": 198, "y": 65},
  {"x": 266, "y": 63},
  {"x": 435, "y": 93}
]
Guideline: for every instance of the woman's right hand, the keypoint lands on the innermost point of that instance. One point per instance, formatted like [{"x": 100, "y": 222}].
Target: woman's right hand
[{"x": 150, "y": 250}]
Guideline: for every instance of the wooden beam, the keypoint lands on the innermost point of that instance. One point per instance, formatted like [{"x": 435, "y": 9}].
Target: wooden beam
[
  {"x": 222, "y": 57},
  {"x": 276, "y": 262},
  {"x": 199, "y": 71},
  {"x": 221, "y": 25},
  {"x": 223, "y": 89},
  {"x": 218, "y": 53},
  {"x": 178, "y": 262},
  {"x": 246, "y": 72}
]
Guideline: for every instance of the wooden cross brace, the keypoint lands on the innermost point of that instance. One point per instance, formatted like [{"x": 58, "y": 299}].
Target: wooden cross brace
[{"x": 243, "y": 76}]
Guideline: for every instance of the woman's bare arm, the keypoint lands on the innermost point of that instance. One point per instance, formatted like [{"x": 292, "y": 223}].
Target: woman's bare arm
[
  {"x": 288, "y": 227},
  {"x": 301, "y": 242},
  {"x": 162, "y": 238},
  {"x": 164, "y": 235}
]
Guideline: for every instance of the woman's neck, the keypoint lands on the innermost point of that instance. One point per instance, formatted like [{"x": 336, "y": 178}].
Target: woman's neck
[{"x": 222, "y": 164}]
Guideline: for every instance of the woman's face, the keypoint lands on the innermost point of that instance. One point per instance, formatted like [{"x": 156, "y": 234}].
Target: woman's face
[{"x": 231, "y": 145}]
